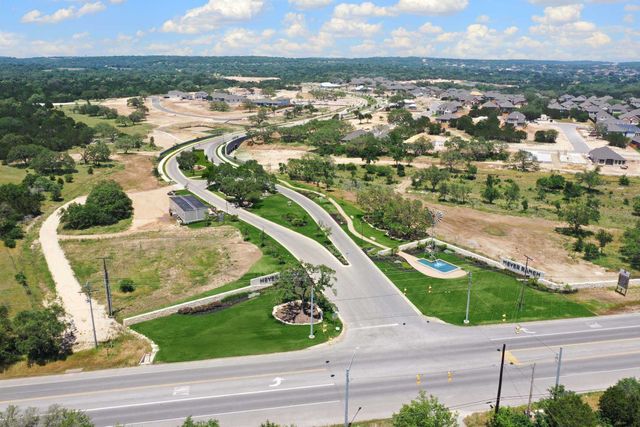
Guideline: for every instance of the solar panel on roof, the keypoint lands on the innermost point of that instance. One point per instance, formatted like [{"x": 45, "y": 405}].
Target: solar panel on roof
[{"x": 188, "y": 203}]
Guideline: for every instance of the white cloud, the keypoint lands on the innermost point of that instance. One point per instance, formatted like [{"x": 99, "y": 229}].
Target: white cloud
[
  {"x": 483, "y": 19},
  {"x": 598, "y": 39},
  {"x": 349, "y": 27},
  {"x": 429, "y": 28},
  {"x": 296, "y": 25},
  {"x": 346, "y": 10},
  {"x": 213, "y": 15},
  {"x": 511, "y": 30},
  {"x": 632, "y": 7},
  {"x": 431, "y": 7},
  {"x": 310, "y": 4},
  {"x": 36, "y": 16},
  {"x": 559, "y": 14}
]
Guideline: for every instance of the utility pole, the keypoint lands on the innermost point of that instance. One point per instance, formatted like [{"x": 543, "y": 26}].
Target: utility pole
[
  {"x": 504, "y": 347},
  {"x": 558, "y": 368},
  {"x": 346, "y": 391},
  {"x": 466, "y": 317},
  {"x": 107, "y": 286},
  {"x": 533, "y": 372},
  {"x": 88, "y": 291}
]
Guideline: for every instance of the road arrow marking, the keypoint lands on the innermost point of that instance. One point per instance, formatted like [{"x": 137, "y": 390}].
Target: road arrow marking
[
  {"x": 276, "y": 382},
  {"x": 595, "y": 325},
  {"x": 526, "y": 331},
  {"x": 181, "y": 391}
]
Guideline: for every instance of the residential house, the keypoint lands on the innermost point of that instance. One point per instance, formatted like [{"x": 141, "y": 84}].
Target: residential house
[
  {"x": 605, "y": 156},
  {"x": 516, "y": 118},
  {"x": 200, "y": 95}
]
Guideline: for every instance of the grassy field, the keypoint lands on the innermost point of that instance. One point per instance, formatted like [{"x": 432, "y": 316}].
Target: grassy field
[
  {"x": 493, "y": 294},
  {"x": 141, "y": 129},
  {"x": 124, "y": 351},
  {"x": 279, "y": 209},
  {"x": 165, "y": 266},
  {"x": 11, "y": 175},
  {"x": 27, "y": 257},
  {"x": 119, "y": 226},
  {"x": 243, "y": 329}
]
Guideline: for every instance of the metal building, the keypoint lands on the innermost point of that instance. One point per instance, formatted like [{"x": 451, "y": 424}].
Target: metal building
[{"x": 187, "y": 208}]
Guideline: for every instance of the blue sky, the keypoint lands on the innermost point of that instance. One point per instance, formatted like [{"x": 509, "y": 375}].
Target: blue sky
[{"x": 531, "y": 29}]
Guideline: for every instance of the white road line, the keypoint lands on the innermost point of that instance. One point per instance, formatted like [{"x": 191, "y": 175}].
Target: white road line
[
  {"x": 388, "y": 325},
  {"x": 217, "y": 396},
  {"x": 273, "y": 408},
  {"x": 590, "y": 373},
  {"x": 566, "y": 333}
]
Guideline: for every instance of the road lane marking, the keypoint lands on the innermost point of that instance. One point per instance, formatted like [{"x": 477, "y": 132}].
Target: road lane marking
[
  {"x": 387, "y": 325},
  {"x": 578, "y": 344},
  {"x": 272, "y": 408},
  {"x": 591, "y": 373},
  {"x": 566, "y": 333},
  {"x": 276, "y": 382},
  {"x": 145, "y": 387},
  {"x": 181, "y": 391},
  {"x": 214, "y": 396}
]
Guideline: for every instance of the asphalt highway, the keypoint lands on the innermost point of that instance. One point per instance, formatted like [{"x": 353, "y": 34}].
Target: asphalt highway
[{"x": 397, "y": 353}]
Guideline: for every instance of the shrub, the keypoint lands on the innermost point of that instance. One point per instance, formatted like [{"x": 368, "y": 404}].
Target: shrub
[
  {"x": 106, "y": 204},
  {"x": 591, "y": 251},
  {"x": 68, "y": 178},
  {"x": 127, "y": 286}
]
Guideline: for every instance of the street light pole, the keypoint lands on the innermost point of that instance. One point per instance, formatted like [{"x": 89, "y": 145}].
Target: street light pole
[
  {"x": 311, "y": 336},
  {"x": 466, "y": 317},
  {"x": 558, "y": 368},
  {"x": 346, "y": 391}
]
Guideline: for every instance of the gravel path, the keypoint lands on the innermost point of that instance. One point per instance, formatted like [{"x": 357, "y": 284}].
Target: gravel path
[{"x": 69, "y": 290}]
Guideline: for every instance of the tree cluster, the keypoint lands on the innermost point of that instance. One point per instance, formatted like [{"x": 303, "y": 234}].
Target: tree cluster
[
  {"x": 40, "y": 336},
  {"x": 311, "y": 168},
  {"x": 489, "y": 129},
  {"x": 245, "y": 184},
  {"x": 24, "y": 124},
  {"x": 389, "y": 211},
  {"x": 106, "y": 204}
]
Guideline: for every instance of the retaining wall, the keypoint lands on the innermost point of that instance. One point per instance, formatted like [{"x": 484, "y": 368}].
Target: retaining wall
[{"x": 255, "y": 285}]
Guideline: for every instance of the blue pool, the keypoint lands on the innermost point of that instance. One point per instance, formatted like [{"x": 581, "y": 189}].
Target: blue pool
[{"x": 440, "y": 265}]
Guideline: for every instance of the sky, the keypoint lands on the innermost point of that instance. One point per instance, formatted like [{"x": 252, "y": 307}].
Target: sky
[{"x": 487, "y": 29}]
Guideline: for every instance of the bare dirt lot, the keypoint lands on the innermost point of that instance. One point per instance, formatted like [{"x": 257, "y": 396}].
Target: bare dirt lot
[
  {"x": 498, "y": 236},
  {"x": 271, "y": 155}
]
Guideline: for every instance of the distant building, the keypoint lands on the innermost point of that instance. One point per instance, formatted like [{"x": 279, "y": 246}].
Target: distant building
[
  {"x": 278, "y": 102},
  {"x": 354, "y": 135},
  {"x": 228, "y": 98},
  {"x": 606, "y": 156},
  {"x": 188, "y": 209},
  {"x": 201, "y": 95},
  {"x": 516, "y": 118}
]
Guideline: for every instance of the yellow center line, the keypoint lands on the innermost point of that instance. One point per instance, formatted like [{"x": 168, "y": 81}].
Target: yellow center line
[{"x": 151, "y": 386}]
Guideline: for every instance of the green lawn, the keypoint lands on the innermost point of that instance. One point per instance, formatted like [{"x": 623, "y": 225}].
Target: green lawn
[
  {"x": 118, "y": 227},
  {"x": 243, "y": 329},
  {"x": 141, "y": 129},
  {"x": 279, "y": 209},
  {"x": 11, "y": 175},
  {"x": 493, "y": 294}
]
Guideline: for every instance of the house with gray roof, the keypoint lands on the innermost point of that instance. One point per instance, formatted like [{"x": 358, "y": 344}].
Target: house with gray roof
[
  {"x": 516, "y": 118},
  {"x": 605, "y": 156}
]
